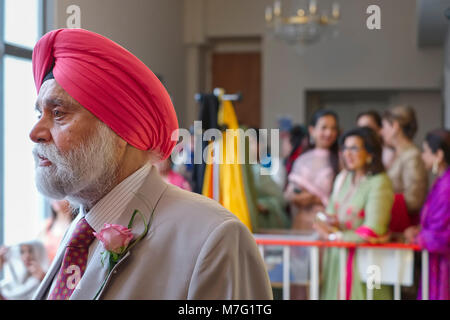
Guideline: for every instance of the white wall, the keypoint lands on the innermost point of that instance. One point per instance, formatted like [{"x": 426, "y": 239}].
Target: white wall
[
  {"x": 150, "y": 29},
  {"x": 447, "y": 80},
  {"x": 235, "y": 18},
  {"x": 358, "y": 59}
]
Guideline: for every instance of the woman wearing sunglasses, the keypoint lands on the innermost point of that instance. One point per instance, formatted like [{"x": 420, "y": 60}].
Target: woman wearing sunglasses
[{"x": 359, "y": 211}]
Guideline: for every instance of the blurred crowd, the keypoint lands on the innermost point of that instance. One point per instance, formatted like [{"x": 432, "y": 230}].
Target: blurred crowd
[
  {"x": 24, "y": 265},
  {"x": 368, "y": 184}
]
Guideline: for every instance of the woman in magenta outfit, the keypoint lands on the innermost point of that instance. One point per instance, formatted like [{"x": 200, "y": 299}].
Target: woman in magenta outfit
[{"x": 433, "y": 234}]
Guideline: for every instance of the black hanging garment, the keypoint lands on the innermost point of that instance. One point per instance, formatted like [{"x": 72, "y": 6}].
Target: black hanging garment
[{"x": 209, "y": 109}]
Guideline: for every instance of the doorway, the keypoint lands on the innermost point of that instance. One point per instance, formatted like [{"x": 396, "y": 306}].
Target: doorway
[{"x": 240, "y": 72}]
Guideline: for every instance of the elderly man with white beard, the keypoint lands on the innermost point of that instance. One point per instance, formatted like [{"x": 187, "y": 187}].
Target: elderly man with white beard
[
  {"x": 84, "y": 168},
  {"x": 104, "y": 119}
]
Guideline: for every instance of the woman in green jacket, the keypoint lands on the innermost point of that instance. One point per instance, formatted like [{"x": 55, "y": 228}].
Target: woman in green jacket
[{"x": 359, "y": 211}]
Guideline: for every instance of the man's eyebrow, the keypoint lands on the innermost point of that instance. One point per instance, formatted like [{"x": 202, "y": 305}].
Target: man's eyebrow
[{"x": 53, "y": 102}]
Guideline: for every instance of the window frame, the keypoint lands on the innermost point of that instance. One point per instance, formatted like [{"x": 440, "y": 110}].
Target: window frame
[{"x": 13, "y": 50}]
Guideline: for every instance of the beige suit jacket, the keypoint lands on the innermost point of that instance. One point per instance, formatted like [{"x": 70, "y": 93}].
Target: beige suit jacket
[{"x": 195, "y": 249}]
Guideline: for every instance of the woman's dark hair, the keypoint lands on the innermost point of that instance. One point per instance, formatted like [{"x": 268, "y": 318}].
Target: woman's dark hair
[
  {"x": 373, "y": 114},
  {"x": 372, "y": 144},
  {"x": 406, "y": 117},
  {"x": 334, "y": 157},
  {"x": 439, "y": 140},
  {"x": 322, "y": 113},
  {"x": 297, "y": 135}
]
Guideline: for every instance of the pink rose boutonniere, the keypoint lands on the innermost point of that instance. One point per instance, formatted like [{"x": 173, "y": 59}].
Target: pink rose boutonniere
[{"x": 117, "y": 241}]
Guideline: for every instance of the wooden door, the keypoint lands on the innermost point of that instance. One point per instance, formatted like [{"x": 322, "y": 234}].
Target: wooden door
[{"x": 240, "y": 72}]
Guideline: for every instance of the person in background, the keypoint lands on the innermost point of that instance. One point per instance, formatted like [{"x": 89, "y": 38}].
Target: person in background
[
  {"x": 311, "y": 179},
  {"x": 170, "y": 176},
  {"x": 284, "y": 127},
  {"x": 372, "y": 119},
  {"x": 25, "y": 266},
  {"x": 293, "y": 146},
  {"x": 309, "y": 184},
  {"x": 56, "y": 226},
  {"x": 270, "y": 203},
  {"x": 433, "y": 234},
  {"x": 400, "y": 219},
  {"x": 407, "y": 172},
  {"x": 359, "y": 211}
]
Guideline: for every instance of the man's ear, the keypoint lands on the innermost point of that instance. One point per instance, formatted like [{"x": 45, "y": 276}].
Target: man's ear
[{"x": 123, "y": 143}]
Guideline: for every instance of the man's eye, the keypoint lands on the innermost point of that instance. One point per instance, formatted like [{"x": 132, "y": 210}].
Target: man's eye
[{"x": 57, "y": 113}]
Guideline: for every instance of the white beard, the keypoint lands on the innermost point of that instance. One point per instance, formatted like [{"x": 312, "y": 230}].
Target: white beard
[{"x": 84, "y": 174}]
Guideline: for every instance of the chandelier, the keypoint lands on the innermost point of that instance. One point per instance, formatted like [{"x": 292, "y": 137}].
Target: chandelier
[{"x": 306, "y": 27}]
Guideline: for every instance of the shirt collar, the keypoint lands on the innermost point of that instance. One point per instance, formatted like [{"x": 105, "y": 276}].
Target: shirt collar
[{"x": 111, "y": 206}]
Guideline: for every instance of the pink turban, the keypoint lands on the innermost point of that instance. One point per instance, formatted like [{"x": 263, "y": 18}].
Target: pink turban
[{"x": 111, "y": 83}]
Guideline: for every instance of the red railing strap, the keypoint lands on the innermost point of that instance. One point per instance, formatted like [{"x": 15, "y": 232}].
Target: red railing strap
[{"x": 337, "y": 244}]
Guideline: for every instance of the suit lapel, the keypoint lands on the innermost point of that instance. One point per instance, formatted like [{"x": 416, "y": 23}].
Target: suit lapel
[
  {"x": 145, "y": 201},
  {"x": 42, "y": 291}
]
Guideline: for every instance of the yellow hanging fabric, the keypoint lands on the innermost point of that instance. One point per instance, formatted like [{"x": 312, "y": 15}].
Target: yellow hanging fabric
[
  {"x": 231, "y": 187},
  {"x": 232, "y": 192}
]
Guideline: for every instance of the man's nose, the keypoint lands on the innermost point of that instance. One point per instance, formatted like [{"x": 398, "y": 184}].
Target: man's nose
[{"x": 41, "y": 131}]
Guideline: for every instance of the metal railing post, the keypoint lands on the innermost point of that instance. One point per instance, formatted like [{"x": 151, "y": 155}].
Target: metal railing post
[
  {"x": 425, "y": 271},
  {"x": 314, "y": 270},
  {"x": 342, "y": 273},
  {"x": 286, "y": 278},
  {"x": 370, "y": 288},
  {"x": 397, "y": 286}
]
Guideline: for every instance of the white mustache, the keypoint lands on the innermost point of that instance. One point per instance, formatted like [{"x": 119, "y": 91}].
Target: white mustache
[{"x": 46, "y": 151}]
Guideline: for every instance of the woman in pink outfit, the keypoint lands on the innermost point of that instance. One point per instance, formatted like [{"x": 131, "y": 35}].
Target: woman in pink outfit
[{"x": 311, "y": 179}]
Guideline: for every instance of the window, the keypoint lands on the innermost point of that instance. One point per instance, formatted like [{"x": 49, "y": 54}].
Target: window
[
  {"x": 22, "y": 22},
  {"x": 22, "y": 210}
]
